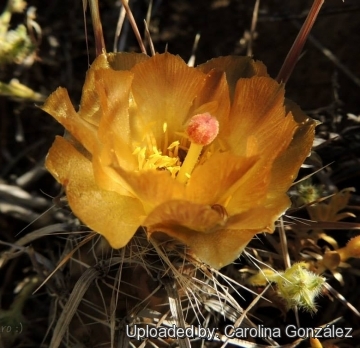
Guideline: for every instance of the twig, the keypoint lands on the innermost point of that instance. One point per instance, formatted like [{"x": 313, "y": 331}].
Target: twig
[
  {"x": 191, "y": 61},
  {"x": 119, "y": 27},
  {"x": 151, "y": 44},
  {"x": 147, "y": 31},
  {"x": 295, "y": 50},
  {"x": 98, "y": 32},
  {"x": 253, "y": 27},
  {"x": 133, "y": 25}
]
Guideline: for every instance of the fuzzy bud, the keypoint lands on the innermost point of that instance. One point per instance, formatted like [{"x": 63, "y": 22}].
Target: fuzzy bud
[{"x": 299, "y": 287}]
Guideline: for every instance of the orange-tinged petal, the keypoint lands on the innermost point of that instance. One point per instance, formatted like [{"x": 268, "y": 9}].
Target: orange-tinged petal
[
  {"x": 60, "y": 107},
  {"x": 217, "y": 249},
  {"x": 152, "y": 187},
  {"x": 287, "y": 165},
  {"x": 235, "y": 68},
  {"x": 206, "y": 231},
  {"x": 214, "y": 98},
  {"x": 170, "y": 216},
  {"x": 125, "y": 60},
  {"x": 90, "y": 104},
  {"x": 164, "y": 89},
  {"x": 113, "y": 89},
  {"x": 114, "y": 216},
  {"x": 107, "y": 177},
  {"x": 262, "y": 217},
  {"x": 258, "y": 122},
  {"x": 230, "y": 177},
  {"x": 251, "y": 189},
  {"x": 200, "y": 228},
  {"x": 221, "y": 248}
]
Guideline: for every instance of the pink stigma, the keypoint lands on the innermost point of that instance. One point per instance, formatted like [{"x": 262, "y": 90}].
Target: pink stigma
[{"x": 202, "y": 129}]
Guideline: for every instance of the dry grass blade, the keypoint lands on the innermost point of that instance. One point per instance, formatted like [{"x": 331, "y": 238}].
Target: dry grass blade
[
  {"x": 81, "y": 286},
  {"x": 148, "y": 36},
  {"x": 342, "y": 299},
  {"x": 15, "y": 194},
  {"x": 306, "y": 177},
  {"x": 97, "y": 26},
  {"x": 284, "y": 244},
  {"x": 239, "y": 321},
  {"x": 175, "y": 308},
  {"x": 119, "y": 27},
  {"x": 246, "y": 344},
  {"x": 30, "y": 237},
  {"x": 191, "y": 61},
  {"x": 134, "y": 25},
  {"x": 67, "y": 257},
  {"x": 147, "y": 31},
  {"x": 253, "y": 28},
  {"x": 295, "y": 50},
  {"x": 324, "y": 225}
]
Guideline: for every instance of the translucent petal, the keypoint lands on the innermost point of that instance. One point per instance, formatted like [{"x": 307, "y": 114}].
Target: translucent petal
[
  {"x": 217, "y": 248},
  {"x": 163, "y": 90},
  {"x": 114, "y": 216},
  {"x": 153, "y": 187},
  {"x": 113, "y": 89},
  {"x": 261, "y": 218},
  {"x": 197, "y": 217},
  {"x": 200, "y": 228},
  {"x": 235, "y": 67},
  {"x": 236, "y": 182},
  {"x": 287, "y": 165},
  {"x": 214, "y": 98},
  {"x": 258, "y": 121},
  {"x": 125, "y": 60},
  {"x": 90, "y": 103},
  {"x": 59, "y": 106},
  {"x": 220, "y": 248}
]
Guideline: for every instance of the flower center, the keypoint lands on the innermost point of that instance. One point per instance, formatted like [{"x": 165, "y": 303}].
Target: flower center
[
  {"x": 150, "y": 157},
  {"x": 201, "y": 130}
]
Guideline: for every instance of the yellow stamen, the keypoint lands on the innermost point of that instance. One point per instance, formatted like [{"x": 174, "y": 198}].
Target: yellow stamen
[
  {"x": 166, "y": 137},
  {"x": 137, "y": 150},
  {"x": 141, "y": 157},
  {"x": 173, "y": 144}
]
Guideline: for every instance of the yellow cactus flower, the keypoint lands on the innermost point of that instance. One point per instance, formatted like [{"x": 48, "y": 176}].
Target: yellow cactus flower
[{"x": 201, "y": 155}]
